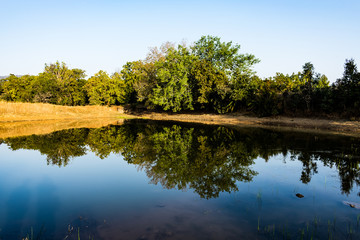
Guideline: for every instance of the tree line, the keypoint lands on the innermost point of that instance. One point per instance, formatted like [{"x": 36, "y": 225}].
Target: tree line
[{"x": 210, "y": 76}]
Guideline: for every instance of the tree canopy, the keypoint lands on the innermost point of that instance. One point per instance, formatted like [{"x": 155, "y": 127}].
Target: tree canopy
[{"x": 209, "y": 75}]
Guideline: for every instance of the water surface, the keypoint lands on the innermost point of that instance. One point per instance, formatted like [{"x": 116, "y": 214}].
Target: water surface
[{"x": 166, "y": 180}]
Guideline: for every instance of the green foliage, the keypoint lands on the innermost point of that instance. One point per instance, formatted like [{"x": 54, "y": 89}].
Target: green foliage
[
  {"x": 244, "y": 88},
  {"x": 267, "y": 101},
  {"x": 172, "y": 90},
  {"x": 308, "y": 72},
  {"x": 224, "y": 56},
  {"x": 45, "y": 89},
  {"x": 210, "y": 86},
  {"x": 57, "y": 84},
  {"x": 139, "y": 80},
  {"x": 17, "y": 89},
  {"x": 347, "y": 90},
  {"x": 211, "y": 76},
  {"x": 183, "y": 78},
  {"x": 322, "y": 82},
  {"x": 105, "y": 90},
  {"x": 70, "y": 83}
]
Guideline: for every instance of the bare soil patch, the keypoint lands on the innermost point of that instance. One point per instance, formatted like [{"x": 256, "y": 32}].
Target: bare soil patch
[{"x": 334, "y": 126}]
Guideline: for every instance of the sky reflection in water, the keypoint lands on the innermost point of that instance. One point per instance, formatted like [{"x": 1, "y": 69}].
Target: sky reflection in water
[{"x": 161, "y": 180}]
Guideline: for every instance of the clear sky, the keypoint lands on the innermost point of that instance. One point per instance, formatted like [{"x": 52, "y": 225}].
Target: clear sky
[{"x": 105, "y": 34}]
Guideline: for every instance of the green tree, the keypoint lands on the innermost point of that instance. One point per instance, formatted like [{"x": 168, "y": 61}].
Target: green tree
[
  {"x": 308, "y": 76},
  {"x": 237, "y": 67},
  {"x": 140, "y": 77},
  {"x": 223, "y": 55},
  {"x": 244, "y": 88},
  {"x": 267, "y": 100},
  {"x": 347, "y": 89},
  {"x": 139, "y": 80},
  {"x": 312, "y": 88},
  {"x": 172, "y": 90},
  {"x": 210, "y": 89},
  {"x": 45, "y": 89},
  {"x": 351, "y": 75},
  {"x": 70, "y": 83},
  {"x": 105, "y": 90},
  {"x": 17, "y": 89}
]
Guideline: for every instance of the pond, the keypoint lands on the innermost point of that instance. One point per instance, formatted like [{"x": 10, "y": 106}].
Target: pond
[{"x": 167, "y": 180}]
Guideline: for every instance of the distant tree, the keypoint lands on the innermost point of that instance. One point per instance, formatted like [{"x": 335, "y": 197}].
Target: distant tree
[
  {"x": 308, "y": 72},
  {"x": 308, "y": 76},
  {"x": 351, "y": 76},
  {"x": 17, "y": 89},
  {"x": 347, "y": 89},
  {"x": 312, "y": 81}
]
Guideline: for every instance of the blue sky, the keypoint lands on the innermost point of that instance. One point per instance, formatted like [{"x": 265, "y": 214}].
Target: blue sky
[{"x": 104, "y": 35}]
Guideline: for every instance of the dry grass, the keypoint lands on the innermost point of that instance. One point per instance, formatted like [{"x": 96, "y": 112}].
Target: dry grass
[
  {"x": 16, "y": 129},
  {"x": 18, "y": 119},
  {"x": 10, "y": 111},
  {"x": 21, "y": 119}
]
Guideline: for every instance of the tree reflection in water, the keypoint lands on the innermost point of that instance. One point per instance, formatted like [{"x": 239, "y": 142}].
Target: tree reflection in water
[{"x": 207, "y": 159}]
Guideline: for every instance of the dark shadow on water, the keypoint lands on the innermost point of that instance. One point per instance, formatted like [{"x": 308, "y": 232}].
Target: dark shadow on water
[
  {"x": 16, "y": 209},
  {"x": 47, "y": 205},
  {"x": 43, "y": 226}
]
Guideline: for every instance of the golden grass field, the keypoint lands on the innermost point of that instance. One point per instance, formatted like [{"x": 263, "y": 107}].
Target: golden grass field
[
  {"x": 20, "y": 119},
  {"x": 13, "y": 111}
]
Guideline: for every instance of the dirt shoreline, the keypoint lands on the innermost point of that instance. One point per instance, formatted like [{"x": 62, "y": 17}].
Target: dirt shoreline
[
  {"x": 22, "y": 125},
  {"x": 344, "y": 127}
]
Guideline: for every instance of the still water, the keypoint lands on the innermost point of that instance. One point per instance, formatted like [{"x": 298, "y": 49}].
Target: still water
[{"x": 165, "y": 180}]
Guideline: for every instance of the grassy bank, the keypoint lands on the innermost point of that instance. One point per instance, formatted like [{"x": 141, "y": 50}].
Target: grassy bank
[
  {"x": 21, "y": 119},
  {"x": 13, "y": 111},
  {"x": 18, "y": 119}
]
